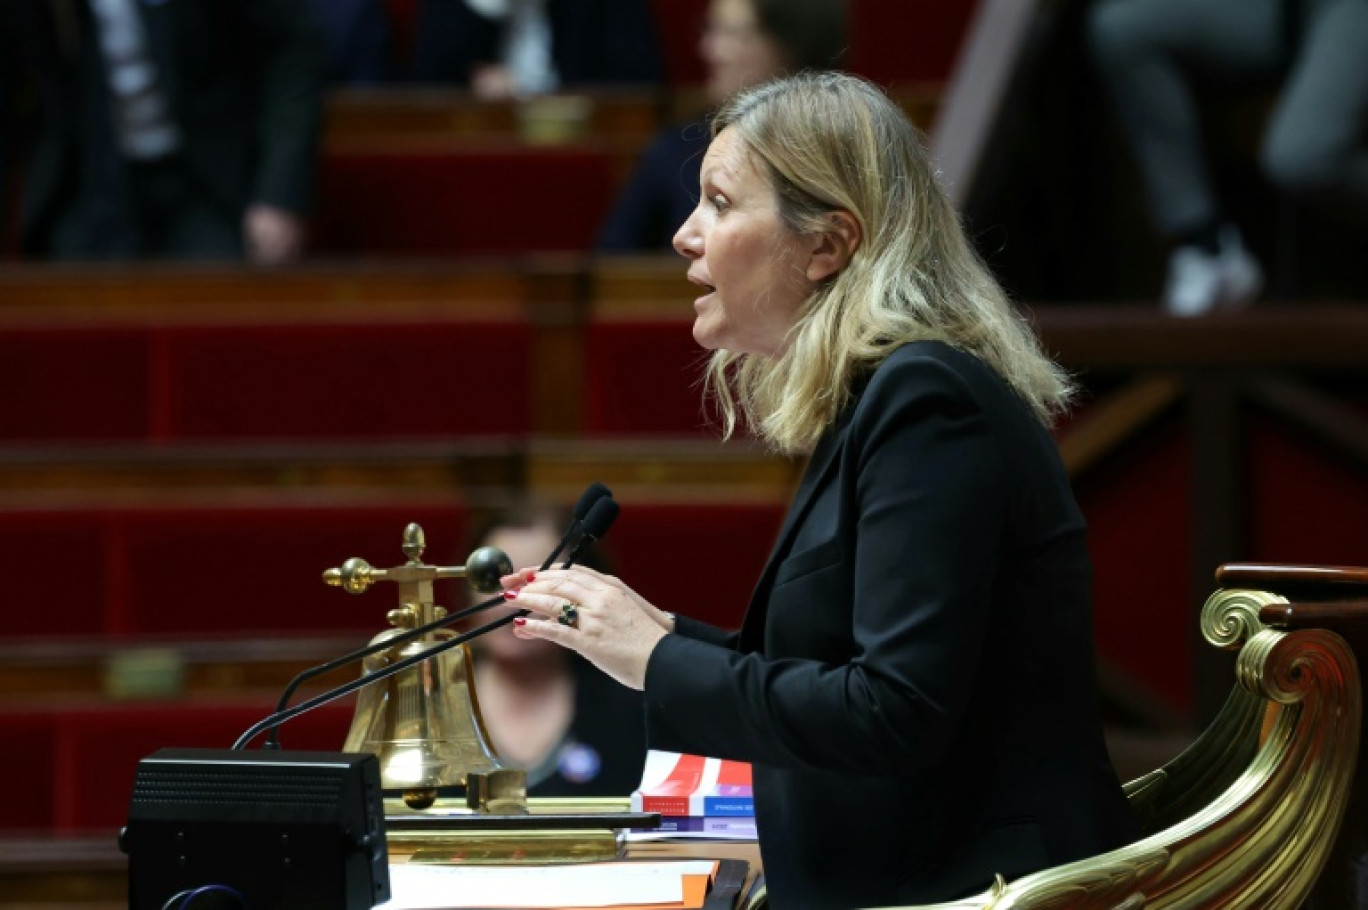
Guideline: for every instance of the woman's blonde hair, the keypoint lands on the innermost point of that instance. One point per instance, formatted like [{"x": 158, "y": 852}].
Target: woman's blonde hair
[{"x": 831, "y": 141}]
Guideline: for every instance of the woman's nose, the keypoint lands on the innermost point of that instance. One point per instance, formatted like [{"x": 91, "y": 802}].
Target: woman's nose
[{"x": 688, "y": 240}]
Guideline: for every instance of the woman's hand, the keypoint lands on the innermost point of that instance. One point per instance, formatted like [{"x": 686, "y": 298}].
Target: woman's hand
[{"x": 613, "y": 626}]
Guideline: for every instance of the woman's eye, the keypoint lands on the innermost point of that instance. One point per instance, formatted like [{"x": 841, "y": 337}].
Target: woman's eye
[{"x": 719, "y": 202}]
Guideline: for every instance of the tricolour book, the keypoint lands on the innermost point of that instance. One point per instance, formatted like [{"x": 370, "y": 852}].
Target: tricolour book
[{"x": 678, "y": 784}]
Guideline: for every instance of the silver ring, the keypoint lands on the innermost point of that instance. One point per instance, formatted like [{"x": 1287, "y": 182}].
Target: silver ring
[{"x": 569, "y": 614}]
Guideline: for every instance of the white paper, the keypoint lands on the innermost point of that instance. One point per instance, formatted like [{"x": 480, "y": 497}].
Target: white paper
[
  {"x": 648, "y": 835},
  {"x": 417, "y": 886}
]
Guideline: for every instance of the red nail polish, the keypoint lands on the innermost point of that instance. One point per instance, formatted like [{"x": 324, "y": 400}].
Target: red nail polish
[
  {"x": 509, "y": 595},
  {"x": 531, "y": 576},
  {"x": 519, "y": 621}
]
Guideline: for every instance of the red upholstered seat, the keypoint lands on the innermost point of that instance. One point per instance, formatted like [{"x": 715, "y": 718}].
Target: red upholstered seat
[
  {"x": 77, "y": 383},
  {"x": 28, "y": 755},
  {"x": 254, "y": 570},
  {"x": 644, "y": 377},
  {"x": 207, "y": 571},
  {"x": 344, "y": 379},
  {"x": 395, "y": 198},
  {"x": 341, "y": 381},
  {"x": 59, "y": 567}
]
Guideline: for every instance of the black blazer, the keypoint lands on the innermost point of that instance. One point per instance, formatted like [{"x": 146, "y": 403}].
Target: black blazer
[
  {"x": 244, "y": 79},
  {"x": 914, "y": 680}
]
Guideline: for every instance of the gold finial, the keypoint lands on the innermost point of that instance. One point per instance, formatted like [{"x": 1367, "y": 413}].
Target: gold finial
[
  {"x": 405, "y": 617},
  {"x": 414, "y": 543},
  {"x": 354, "y": 576}
]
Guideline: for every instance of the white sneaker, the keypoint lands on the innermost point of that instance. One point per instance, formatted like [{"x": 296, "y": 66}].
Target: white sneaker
[{"x": 1200, "y": 283}]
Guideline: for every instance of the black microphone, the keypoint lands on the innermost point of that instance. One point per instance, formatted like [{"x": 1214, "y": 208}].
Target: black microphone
[
  {"x": 593, "y": 514},
  {"x": 592, "y": 495},
  {"x": 596, "y": 524}
]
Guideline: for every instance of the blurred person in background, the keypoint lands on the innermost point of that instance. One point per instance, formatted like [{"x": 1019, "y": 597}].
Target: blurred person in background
[
  {"x": 161, "y": 129},
  {"x": 744, "y": 43},
  {"x": 576, "y": 732},
  {"x": 1151, "y": 53},
  {"x": 520, "y": 48}
]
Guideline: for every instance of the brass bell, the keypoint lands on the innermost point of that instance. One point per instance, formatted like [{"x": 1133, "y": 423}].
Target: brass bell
[{"x": 424, "y": 723}]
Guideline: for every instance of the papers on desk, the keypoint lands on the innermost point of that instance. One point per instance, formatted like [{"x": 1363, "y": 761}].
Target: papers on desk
[
  {"x": 678, "y": 883},
  {"x": 741, "y": 829}
]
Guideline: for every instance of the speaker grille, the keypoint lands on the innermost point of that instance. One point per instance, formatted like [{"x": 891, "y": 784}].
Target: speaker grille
[{"x": 220, "y": 786}]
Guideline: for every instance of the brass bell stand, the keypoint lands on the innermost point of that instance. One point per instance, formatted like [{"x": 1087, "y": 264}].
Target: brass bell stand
[{"x": 423, "y": 721}]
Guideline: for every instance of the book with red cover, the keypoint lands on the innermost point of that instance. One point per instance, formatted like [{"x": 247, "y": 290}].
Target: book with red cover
[{"x": 679, "y": 784}]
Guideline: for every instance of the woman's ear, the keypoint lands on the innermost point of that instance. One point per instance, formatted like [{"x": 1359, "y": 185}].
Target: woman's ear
[{"x": 833, "y": 247}]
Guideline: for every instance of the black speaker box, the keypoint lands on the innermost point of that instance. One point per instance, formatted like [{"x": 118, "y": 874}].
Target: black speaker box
[{"x": 271, "y": 830}]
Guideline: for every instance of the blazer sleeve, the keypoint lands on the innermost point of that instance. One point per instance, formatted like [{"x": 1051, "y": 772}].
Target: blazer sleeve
[
  {"x": 929, "y": 487},
  {"x": 290, "y": 124},
  {"x": 698, "y": 630}
]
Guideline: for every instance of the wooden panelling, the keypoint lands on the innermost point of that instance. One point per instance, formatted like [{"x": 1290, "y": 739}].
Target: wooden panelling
[
  {"x": 622, "y": 121},
  {"x": 55, "y": 671},
  {"x": 1120, "y": 338},
  {"x": 144, "y": 472},
  {"x": 174, "y": 294},
  {"x": 674, "y": 470}
]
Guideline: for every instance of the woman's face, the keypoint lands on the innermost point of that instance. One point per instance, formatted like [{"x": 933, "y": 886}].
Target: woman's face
[
  {"x": 738, "y": 54},
  {"x": 752, "y": 266}
]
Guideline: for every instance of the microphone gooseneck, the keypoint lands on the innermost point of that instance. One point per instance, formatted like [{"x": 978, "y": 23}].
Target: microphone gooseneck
[
  {"x": 274, "y": 721},
  {"x": 394, "y": 641}
]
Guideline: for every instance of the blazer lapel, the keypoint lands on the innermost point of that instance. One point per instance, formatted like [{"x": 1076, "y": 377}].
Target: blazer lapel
[{"x": 820, "y": 465}]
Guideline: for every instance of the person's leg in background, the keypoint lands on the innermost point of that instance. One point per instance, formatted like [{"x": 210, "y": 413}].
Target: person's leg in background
[
  {"x": 1317, "y": 140},
  {"x": 1147, "y": 52}
]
